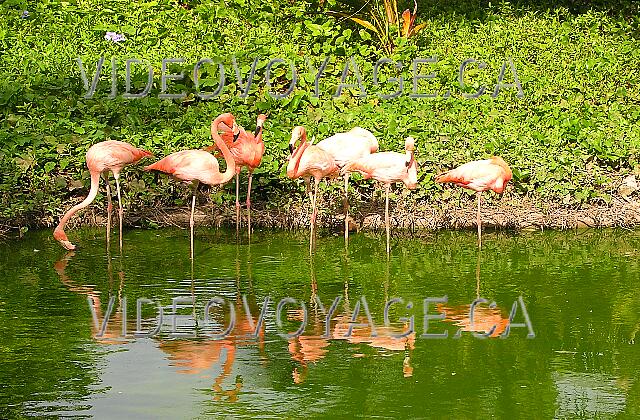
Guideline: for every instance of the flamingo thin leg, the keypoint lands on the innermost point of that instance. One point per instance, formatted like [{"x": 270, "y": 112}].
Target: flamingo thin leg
[
  {"x": 314, "y": 212},
  {"x": 109, "y": 209},
  {"x": 120, "y": 212},
  {"x": 386, "y": 215},
  {"x": 308, "y": 188},
  {"x": 237, "y": 201},
  {"x": 346, "y": 207},
  {"x": 249, "y": 204},
  {"x": 249, "y": 191},
  {"x": 479, "y": 223},
  {"x": 191, "y": 222}
]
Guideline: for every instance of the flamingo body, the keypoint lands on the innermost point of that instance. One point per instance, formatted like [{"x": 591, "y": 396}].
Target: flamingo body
[
  {"x": 480, "y": 175},
  {"x": 190, "y": 166},
  {"x": 113, "y": 155},
  {"x": 386, "y": 167},
  {"x": 110, "y": 155},
  {"x": 354, "y": 144},
  {"x": 311, "y": 161}
]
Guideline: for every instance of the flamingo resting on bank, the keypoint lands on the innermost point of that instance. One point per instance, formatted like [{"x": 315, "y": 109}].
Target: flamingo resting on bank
[
  {"x": 247, "y": 151},
  {"x": 110, "y": 155},
  {"x": 345, "y": 147},
  {"x": 308, "y": 161},
  {"x": 388, "y": 167},
  {"x": 195, "y": 166},
  {"x": 480, "y": 175}
]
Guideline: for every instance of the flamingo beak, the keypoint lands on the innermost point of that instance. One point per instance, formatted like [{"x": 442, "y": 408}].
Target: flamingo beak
[
  {"x": 68, "y": 245},
  {"x": 236, "y": 131}
]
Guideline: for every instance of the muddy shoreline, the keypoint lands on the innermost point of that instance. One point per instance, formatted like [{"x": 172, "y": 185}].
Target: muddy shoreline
[{"x": 406, "y": 214}]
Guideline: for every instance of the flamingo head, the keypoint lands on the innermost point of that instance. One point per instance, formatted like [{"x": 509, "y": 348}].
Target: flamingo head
[
  {"x": 230, "y": 121},
  {"x": 507, "y": 175},
  {"x": 60, "y": 236},
  {"x": 235, "y": 129},
  {"x": 298, "y": 132},
  {"x": 259, "y": 123},
  {"x": 409, "y": 147}
]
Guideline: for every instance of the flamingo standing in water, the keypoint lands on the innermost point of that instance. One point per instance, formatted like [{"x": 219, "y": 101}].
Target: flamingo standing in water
[
  {"x": 388, "y": 167},
  {"x": 308, "y": 161},
  {"x": 195, "y": 166},
  {"x": 480, "y": 175},
  {"x": 345, "y": 147},
  {"x": 110, "y": 155},
  {"x": 247, "y": 151}
]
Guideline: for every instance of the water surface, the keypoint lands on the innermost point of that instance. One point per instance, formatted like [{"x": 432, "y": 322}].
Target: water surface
[{"x": 580, "y": 290}]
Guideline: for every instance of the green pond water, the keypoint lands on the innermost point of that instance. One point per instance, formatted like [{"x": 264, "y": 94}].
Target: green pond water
[{"x": 581, "y": 291}]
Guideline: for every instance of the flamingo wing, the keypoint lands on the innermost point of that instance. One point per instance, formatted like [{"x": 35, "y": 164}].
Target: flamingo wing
[{"x": 345, "y": 147}]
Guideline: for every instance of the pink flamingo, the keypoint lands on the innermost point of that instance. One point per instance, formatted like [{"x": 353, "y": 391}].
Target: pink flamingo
[
  {"x": 480, "y": 175},
  {"x": 247, "y": 151},
  {"x": 308, "y": 161},
  {"x": 110, "y": 155},
  {"x": 388, "y": 167},
  {"x": 345, "y": 147},
  {"x": 195, "y": 166}
]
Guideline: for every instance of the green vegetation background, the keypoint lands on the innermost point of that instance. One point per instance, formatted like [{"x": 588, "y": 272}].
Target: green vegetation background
[{"x": 571, "y": 138}]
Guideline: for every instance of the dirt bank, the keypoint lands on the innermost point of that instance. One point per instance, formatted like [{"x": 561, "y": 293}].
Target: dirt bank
[{"x": 516, "y": 213}]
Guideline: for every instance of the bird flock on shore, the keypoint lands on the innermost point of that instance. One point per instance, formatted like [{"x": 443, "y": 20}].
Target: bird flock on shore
[{"x": 355, "y": 151}]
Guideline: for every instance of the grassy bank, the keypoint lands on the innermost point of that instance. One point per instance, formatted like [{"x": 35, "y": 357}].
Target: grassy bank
[{"x": 572, "y": 138}]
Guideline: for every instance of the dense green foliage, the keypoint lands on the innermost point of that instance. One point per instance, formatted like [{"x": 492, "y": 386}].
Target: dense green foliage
[{"x": 570, "y": 138}]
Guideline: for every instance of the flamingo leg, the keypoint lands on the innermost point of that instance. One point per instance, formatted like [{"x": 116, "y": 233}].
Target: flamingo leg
[
  {"x": 237, "y": 202},
  {"x": 308, "y": 188},
  {"x": 314, "y": 213},
  {"x": 120, "y": 211},
  {"x": 193, "y": 209},
  {"x": 249, "y": 191},
  {"x": 386, "y": 214},
  {"x": 249, "y": 204},
  {"x": 109, "y": 209},
  {"x": 346, "y": 207},
  {"x": 479, "y": 222}
]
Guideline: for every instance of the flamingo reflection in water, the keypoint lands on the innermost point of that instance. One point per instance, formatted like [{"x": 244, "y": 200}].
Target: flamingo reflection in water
[
  {"x": 311, "y": 348},
  {"x": 487, "y": 318},
  {"x": 195, "y": 357},
  {"x": 191, "y": 356},
  {"x": 110, "y": 332}
]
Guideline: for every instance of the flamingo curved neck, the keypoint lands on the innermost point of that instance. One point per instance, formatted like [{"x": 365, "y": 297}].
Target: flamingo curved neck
[
  {"x": 228, "y": 157},
  {"x": 294, "y": 163},
  {"x": 58, "y": 232}
]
